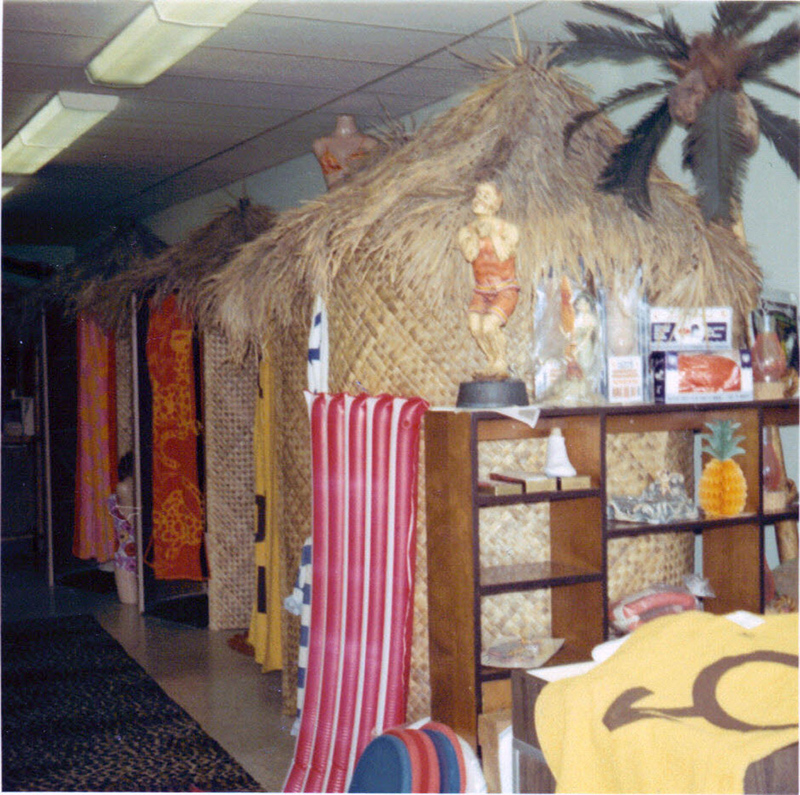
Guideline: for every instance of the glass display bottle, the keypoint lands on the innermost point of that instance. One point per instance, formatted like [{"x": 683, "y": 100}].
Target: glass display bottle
[{"x": 769, "y": 358}]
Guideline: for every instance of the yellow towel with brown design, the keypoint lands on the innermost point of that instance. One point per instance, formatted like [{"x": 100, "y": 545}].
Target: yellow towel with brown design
[{"x": 683, "y": 706}]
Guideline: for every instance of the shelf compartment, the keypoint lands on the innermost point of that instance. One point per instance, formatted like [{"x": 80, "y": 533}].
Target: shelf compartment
[
  {"x": 529, "y": 576},
  {"x": 565, "y": 655}
]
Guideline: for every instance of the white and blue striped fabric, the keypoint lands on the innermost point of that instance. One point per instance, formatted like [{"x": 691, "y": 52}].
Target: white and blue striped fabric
[
  {"x": 299, "y": 603},
  {"x": 318, "y": 349}
]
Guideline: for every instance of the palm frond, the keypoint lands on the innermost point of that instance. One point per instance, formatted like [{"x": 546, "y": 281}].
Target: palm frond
[
  {"x": 777, "y": 48},
  {"x": 716, "y": 152},
  {"x": 614, "y": 44},
  {"x": 628, "y": 168},
  {"x": 674, "y": 33},
  {"x": 669, "y": 32},
  {"x": 738, "y": 18},
  {"x": 782, "y": 131},
  {"x": 620, "y": 98},
  {"x": 770, "y": 83}
]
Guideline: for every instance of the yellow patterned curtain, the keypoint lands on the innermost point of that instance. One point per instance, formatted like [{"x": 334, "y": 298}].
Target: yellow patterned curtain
[{"x": 265, "y": 624}]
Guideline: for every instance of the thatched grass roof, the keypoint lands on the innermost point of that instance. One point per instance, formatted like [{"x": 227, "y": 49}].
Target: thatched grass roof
[
  {"x": 126, "y": 243},
  {"x": 402, "y": 213},
  {"x": 180, "y": 268}
]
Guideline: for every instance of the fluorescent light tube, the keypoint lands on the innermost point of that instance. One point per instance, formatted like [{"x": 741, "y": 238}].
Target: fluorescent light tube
[
  {"x": 10, "y": 182},
  {"x": 64, "y": 119},
  {"x": 163, "y": 33}
]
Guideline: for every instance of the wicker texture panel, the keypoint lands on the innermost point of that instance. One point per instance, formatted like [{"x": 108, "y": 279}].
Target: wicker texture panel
[
  {"x": 124, "y": 368},
  {"x": 294, "y": 485},
  {"x": 521, "y": 615},
  {"x": 396, "y": 348},
  {"x": 631, "y": 460},
  {"x": 383, "y": 341},
  {"x": 637, "y": 563},
  {"x": 229, "y": 403}
]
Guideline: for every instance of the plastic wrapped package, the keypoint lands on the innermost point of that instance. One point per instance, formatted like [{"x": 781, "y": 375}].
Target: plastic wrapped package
[
  {"x": 568, "y": 342},
  {"x": 626, "y": 338}
]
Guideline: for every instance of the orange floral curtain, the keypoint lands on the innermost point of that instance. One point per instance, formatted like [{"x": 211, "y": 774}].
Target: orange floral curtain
[
  {"x": 177, "y": 538},
  {"x": 96, "y": 463}
]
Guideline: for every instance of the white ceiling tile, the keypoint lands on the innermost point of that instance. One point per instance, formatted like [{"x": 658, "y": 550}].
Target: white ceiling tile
[
  {"x": 343, "y": 41},
  {"x": 253, "y": 96},
  {"x": 50, "y": 49},
  {"x": 456, "y": 16},
  {"x": 102, "y": 19},
  {"x": 275, "y": 96},
  {"x": 290, "y": 70}
]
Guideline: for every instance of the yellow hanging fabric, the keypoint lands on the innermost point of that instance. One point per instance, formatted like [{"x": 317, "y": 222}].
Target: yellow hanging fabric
[{"x": 265, "y": 623}]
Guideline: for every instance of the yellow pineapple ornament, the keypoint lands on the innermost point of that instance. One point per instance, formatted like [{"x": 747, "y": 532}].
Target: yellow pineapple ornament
[{"x": 723, "y": 488}]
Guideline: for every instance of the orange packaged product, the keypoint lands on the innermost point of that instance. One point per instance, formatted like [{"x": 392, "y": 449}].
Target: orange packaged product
[{"x": 692, "y": 376}]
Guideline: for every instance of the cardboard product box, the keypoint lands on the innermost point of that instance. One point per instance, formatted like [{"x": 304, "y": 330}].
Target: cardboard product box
[
  {"x": 626, "y": 379},
  {"x": 676, "y": 329},
  {"x": 701, "y": 376}
]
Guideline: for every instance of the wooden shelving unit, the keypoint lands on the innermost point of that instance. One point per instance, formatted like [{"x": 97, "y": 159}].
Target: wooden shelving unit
[{"x": 575, "y": 573}]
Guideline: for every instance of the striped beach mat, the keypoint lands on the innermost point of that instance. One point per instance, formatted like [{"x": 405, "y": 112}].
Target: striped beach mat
[{"x": 365, "y": 460}]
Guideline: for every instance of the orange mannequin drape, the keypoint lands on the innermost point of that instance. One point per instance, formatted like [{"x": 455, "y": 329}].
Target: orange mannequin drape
[
  {"x": 177, "y": 503},
  {"x": 96, "y": 464}
]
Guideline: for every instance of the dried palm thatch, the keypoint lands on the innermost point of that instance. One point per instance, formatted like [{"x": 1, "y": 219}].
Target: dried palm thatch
[
  {"x": 126, "y": 243},
  {"x": 180, "y": 268},
  {"x": 399, "y": 216}
]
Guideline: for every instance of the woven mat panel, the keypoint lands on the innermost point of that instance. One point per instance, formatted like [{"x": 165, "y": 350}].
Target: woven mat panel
[
  {"x": 631, "y": 460},
  {"x": 515, "y": 615},
  {"x": 418, "y": 705},
  {"x": 512, "y": 534},
  {"x": 294, "y": 487},
  {"x": 230, "y": 391},
  {"x": 396, "y": 347},
  {"x": 639, "y": 562},
  {"x": 527, "y": 454},
  {"x": 124, "y": 374}
]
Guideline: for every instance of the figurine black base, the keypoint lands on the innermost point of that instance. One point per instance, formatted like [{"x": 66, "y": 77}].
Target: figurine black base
[{"x": 491, "y": 394}]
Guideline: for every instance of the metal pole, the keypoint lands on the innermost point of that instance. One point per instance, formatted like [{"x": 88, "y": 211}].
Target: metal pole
[
  {"x": 48, "y": 475},
  {"x": 137, "y": 467}
]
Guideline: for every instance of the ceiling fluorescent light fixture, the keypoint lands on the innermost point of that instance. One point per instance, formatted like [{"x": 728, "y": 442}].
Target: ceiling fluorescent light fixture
[
  {"x": 64, "y": 119},
  {"x": 9, "y": 183},
  {"x": 163, "y": 33}
]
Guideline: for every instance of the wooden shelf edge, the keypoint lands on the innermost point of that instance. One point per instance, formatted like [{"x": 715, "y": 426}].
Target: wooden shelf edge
[
  {"x": 617, "y": 529},
  {"x": 490, "y": 501}
]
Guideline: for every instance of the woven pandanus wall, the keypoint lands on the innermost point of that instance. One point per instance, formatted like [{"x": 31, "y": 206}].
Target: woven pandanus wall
[
  {"x": 290, "y": 357},
  {"x": 635, "y": 563},
  {"x": 395, "y": 346},
  {"x": 124, "y": 370},
  {"x": 399, "y": 348},
  {"x": 230, "y": 390}
]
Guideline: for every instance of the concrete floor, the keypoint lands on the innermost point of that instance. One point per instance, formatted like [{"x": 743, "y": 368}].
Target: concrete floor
[{"x": 222, "y": 689}]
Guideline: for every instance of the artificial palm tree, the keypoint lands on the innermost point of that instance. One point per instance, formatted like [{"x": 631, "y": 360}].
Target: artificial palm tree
[{"x": 704, "y": 94}]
